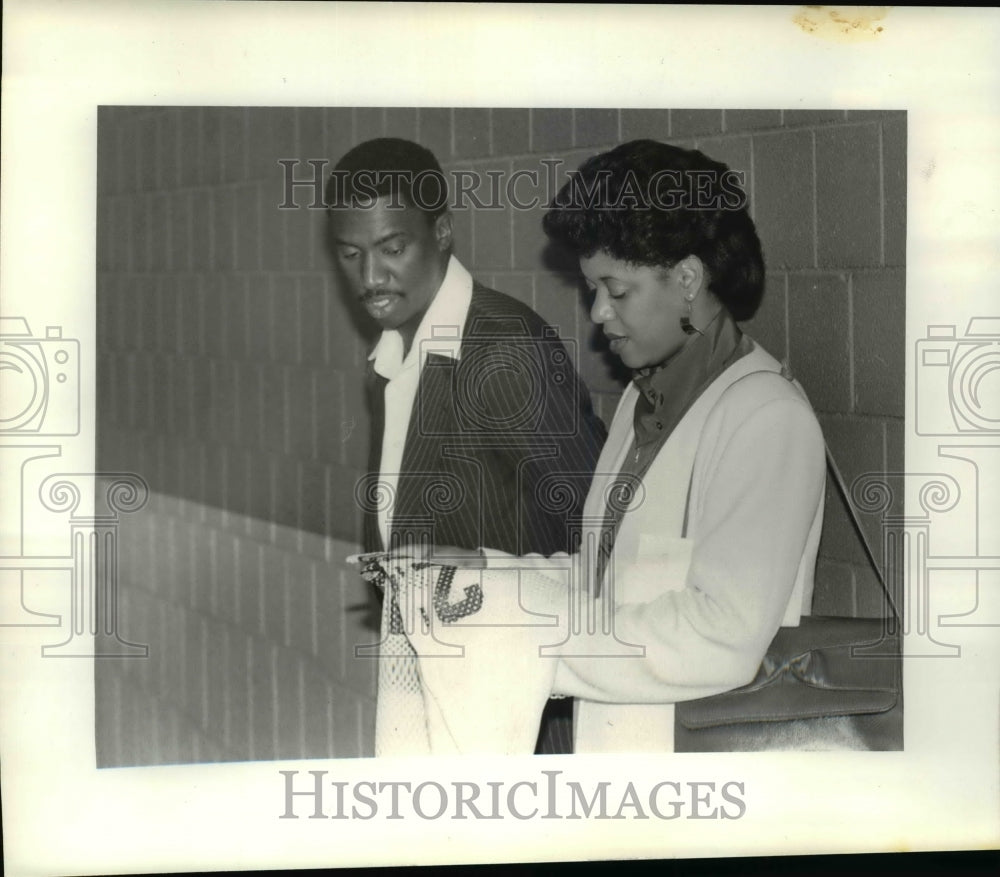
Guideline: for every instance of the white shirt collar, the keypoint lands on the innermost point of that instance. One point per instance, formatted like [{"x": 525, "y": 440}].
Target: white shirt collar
[{"x": 440, "y": 331}]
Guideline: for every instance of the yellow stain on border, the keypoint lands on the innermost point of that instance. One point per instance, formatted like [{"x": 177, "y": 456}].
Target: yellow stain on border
[{"x": 843, "y": 24}]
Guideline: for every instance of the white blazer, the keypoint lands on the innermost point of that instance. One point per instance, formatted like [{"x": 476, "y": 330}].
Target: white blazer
[{"x": 691, "y": 605}]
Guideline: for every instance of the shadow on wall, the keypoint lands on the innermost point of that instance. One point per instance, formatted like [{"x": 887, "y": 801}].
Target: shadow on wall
[{"x": 250, "y": 628}]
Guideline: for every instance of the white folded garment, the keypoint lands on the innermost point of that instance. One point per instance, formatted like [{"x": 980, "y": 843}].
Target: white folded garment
[{"x": 487, "y": 649}]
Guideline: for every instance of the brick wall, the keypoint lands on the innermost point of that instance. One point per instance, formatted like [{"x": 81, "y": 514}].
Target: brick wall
[{"x": 229, "y": 368}]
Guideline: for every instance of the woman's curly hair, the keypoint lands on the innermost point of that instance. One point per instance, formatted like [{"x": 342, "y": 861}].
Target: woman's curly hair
[{"x": 649, "y": 203}]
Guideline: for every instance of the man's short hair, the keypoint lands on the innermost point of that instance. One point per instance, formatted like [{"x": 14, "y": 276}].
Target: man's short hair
[{"x": 405, "y": 172}]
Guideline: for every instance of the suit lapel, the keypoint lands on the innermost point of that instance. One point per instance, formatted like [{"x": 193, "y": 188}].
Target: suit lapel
[
  {"x": 432, "y": 421},
  {"x": 433, "y": 425},
  {"x": 375, "y": 388}
]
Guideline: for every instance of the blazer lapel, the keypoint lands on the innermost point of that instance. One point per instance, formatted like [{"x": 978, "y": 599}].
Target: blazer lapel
[
  {"x": 432, "y": 428},
  {"x": 433, "y": 425}
]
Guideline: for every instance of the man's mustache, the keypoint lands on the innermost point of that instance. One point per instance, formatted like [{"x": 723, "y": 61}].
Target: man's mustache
[{"x": 369, "y": 294}]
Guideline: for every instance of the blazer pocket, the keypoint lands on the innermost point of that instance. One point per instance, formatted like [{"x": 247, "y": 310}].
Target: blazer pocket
[{"x": 661, "y": 565}]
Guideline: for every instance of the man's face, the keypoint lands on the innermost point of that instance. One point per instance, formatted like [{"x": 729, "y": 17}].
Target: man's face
[{"x": 393, "y": 258}]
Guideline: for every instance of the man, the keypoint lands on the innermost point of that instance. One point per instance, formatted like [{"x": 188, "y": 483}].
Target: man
[{"x": 483, "y": 434}]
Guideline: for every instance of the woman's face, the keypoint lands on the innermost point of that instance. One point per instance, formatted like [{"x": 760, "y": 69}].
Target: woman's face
[{"x": 638, "y": 307}]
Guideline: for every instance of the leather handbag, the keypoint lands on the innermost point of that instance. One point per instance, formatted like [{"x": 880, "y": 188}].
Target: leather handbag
[{"x": 829, "y": 684}]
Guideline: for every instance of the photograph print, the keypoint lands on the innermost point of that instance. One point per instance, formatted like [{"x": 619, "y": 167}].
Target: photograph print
[{"x": 499, "y": 431}]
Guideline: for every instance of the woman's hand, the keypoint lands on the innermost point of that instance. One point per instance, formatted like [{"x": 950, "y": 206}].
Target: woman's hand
[{"x": 441, "y": 555}]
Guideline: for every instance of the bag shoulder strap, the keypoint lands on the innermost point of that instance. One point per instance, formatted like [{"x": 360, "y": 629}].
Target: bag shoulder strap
[
  {"x": 845, "y": 495},
  {"x": 838, "y": 480}
]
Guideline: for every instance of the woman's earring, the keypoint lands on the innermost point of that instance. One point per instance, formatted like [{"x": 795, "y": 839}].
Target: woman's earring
[{"x": 686, "y": 325}]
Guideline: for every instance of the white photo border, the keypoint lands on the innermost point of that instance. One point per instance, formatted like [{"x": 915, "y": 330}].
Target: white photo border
[{"x": 63, "y": 59}]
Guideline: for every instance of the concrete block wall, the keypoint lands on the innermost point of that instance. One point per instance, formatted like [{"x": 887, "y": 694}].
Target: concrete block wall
[
  {"x": 230, "y": 367},
  {"x": 229, "y": 378},
  {"x": 228, "y": 364},
  {"x": 251, "y": 631}
]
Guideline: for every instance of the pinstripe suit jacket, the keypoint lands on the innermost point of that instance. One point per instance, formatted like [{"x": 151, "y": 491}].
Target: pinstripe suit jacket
[{"x": 501, "y": 444}]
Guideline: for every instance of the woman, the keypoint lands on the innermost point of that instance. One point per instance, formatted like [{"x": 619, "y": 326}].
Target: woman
[
  {"x": 721, "y": 551},
  {"x": 709, "y": 498}
]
